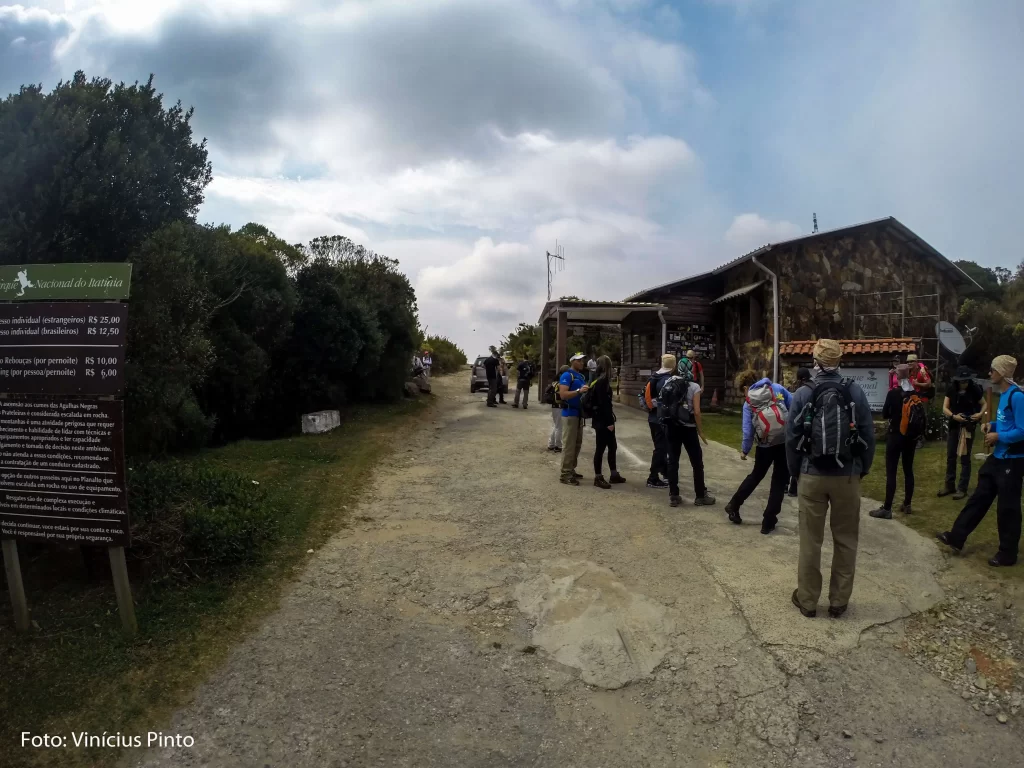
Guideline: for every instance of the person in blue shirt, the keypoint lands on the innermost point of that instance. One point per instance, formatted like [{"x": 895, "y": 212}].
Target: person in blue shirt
[
  {"x": 764, "y": 422},
  {"x": 1002, "y": 475},
  {"x": 571, "y": 386}
]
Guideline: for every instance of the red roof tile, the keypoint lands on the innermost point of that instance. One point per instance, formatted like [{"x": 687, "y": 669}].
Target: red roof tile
[{"x": 854, "y": 347}]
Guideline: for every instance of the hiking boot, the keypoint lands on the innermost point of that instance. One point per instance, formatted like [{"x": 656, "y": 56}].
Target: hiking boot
[
  {"x": 525, "y": 407},
  {"x": 835, "y": 611},
  {"x": 767, "y": 528},
  {"x": 659, "y": 483},
  {"x": 946, "y": 538},
  {"x": 945, "y": 492},
  {"x": 577, "y": 475},
  {"x": 792, "y": 494},
  {"x": 882, "y": 513},
  {"x": 600, "y": 482},
  {"x": 905, "y": 508},
  {"x": 569, "y": 481},
  {"x": 1002, "y": 561},
  {"x": 734, "y": 514},
  {"x": 557, "y": 449},
  {"x": 807, "y": 614},
  {"x": 515, "y": 405},
  {"x": 492, "y": 405},
  {"x": 704, "y": 501},
  {"x": 616, "y": 478},
  {"x": 675, "y": 501},
  {"x": 959, "y": 495}
]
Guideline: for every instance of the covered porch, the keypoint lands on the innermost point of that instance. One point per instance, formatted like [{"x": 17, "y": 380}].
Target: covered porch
[{"x": 558, "y": 316}]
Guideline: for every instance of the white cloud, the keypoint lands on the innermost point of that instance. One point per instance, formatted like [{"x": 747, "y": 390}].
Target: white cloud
[{"x": 749, "y": 231}]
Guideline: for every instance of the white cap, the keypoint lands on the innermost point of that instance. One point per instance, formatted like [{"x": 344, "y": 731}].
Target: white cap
[{"x": 577, "y": 356}]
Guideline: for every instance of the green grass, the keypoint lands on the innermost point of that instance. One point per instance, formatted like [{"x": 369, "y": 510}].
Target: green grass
[
  {"x": 77, "y": 673},
  {"x": 931, "y": 514}
]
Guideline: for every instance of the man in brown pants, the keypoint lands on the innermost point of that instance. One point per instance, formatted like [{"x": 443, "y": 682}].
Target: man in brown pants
[{"x": 830, "y": 444}]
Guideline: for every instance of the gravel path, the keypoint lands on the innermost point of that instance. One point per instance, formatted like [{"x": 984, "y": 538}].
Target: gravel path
[{"x": 478, "y": 613}]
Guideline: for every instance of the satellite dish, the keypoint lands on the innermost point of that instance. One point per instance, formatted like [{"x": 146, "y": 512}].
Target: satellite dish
[{"x": 950, "y": 338}]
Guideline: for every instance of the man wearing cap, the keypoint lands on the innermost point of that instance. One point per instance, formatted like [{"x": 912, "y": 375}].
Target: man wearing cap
[
  {"x": 964, "y": 407},
  {"x": 1002, "y": 475},
  {"x": 571, "y": 385},
  {"x": 659, "y": 458},
  {"x": 826, "y": 489}
]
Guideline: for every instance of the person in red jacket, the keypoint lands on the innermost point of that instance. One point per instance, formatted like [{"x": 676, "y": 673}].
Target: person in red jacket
[{"x": 921, "y": 378}]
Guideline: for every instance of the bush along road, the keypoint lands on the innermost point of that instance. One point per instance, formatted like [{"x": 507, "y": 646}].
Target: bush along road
[{"x": 477, "y": 612}]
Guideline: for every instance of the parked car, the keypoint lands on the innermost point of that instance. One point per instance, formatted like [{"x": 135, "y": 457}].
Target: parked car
[{"x": 478, "y": 376}]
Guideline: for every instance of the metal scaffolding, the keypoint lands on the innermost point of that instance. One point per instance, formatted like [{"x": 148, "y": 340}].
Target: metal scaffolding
[{"x": 912, "y": 310}]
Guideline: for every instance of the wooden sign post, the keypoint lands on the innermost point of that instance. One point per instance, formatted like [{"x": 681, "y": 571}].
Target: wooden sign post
[{"x": 62, "y": 473}]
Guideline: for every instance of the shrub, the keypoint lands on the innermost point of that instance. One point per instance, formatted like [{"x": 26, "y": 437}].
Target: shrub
[
  {"x": 447, "y": 357},
  {"x": 184, "y": 514}
]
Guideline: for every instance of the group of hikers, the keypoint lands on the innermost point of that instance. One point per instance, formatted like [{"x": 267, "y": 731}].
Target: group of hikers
[
  {"x": 496, "y": 369},
  {"x": 818, "y": 443}
]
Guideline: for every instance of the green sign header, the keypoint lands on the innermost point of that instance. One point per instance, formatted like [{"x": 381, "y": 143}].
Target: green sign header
[{"x": 38, "y": 282}]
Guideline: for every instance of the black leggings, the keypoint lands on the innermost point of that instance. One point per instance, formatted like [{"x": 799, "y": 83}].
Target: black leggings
[
  {"x": 899, "y": 449},
  {"x": 605, "y": 438}
]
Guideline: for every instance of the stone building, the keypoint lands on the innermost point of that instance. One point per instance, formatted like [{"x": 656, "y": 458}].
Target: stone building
[{"x": 872, "y": 281}]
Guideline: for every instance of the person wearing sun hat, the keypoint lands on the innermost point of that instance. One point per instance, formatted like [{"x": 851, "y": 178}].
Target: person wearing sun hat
[
  {"x": 571, "y": 386},
  {"x": 828, "y": 489},
  {"x": 1002, "y": 475}
]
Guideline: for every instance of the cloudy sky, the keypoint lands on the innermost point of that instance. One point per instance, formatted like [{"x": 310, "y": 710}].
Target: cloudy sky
[{"x": 653, "y": 139}]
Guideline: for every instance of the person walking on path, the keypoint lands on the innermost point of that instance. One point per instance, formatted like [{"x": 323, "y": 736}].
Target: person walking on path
[
  {"x": 765, "y": 413},
  {"x": 492, "y": 369},
  {"x": 830, "y": 442},
  {"x": 803, "y": 379},
  {"x": 679, "y": 412},
  {"x": 572, "y": 386},
  {"x": 904, "y": 411},
  {"x": 555, "y": 437},
  {"x": 964, "y": 407},
  {"x": 428, "y": 361},
  {"x": 603, "y": 422},
  {"x": 698, "y": 369},
  {"x": 524, "y": 380},
  {"x": 659, "y": 457},
  {"x": 1002, "y": 475}
]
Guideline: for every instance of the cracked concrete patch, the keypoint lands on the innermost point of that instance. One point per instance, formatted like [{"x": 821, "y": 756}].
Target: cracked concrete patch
[{"x": 585, "y": 618}]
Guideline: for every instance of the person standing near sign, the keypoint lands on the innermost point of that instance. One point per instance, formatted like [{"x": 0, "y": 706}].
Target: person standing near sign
[
  {"x": 1002, "y": 475},
  {"x": 904, "y": 411},
  {"x": 964, "y": 407},
  {"x": 698, "y": 369}
]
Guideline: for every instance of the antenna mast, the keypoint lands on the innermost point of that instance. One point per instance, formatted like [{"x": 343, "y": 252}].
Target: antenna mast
[
  {"x": 815, "y": 221},
  {"x": 559, "y": 264}
]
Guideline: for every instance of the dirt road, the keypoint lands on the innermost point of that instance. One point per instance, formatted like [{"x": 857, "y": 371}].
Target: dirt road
[{"x": 478, "y": 613}]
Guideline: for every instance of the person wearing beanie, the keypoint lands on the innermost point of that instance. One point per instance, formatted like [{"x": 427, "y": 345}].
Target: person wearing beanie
[
  {"x": 828, "y": 486},
  {"x": 659, "y": 457},
  {"x": 803, "y": 379},
  {"x": 1002, "y": 475},
  {"x": 688, "y": 435}
]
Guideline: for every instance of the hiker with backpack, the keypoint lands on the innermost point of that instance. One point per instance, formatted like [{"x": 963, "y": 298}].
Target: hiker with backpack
[
  {"x": 830, "y": 442},
  {"x": 1002, "y": 475},
  {"x": 803, "y": 379},
  {"x": 649, "y": 402},
  {"x": 680, "y": 417},
  {"x": 571, "y": 387},
  {"x": 596, "y": 404},
  {"x": 550, "y": 397},
  {"x": 964, "y": 407},
  {"x": 524, "y": 380},
  {"x": 905, "y": 412},
  {"x": 765, "y": 413}
]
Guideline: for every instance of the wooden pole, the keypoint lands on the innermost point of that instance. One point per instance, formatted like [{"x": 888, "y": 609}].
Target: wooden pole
[
  {"x": 15, "y": 585},
  {"x": 123, "y": 590}
]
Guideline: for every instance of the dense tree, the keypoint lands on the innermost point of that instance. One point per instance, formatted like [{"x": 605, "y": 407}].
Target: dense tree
[
  {"x": 447, "y": 357},
  {"x": 90, "y": 170}
]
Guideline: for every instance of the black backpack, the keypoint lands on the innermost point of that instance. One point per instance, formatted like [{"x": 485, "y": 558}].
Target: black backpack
[
  {"x": 674, "y": 405},
  {"x": 913, "y": 420},
  {"x": 829, "y": 435},
  {"x": 587, "y": 404}
]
